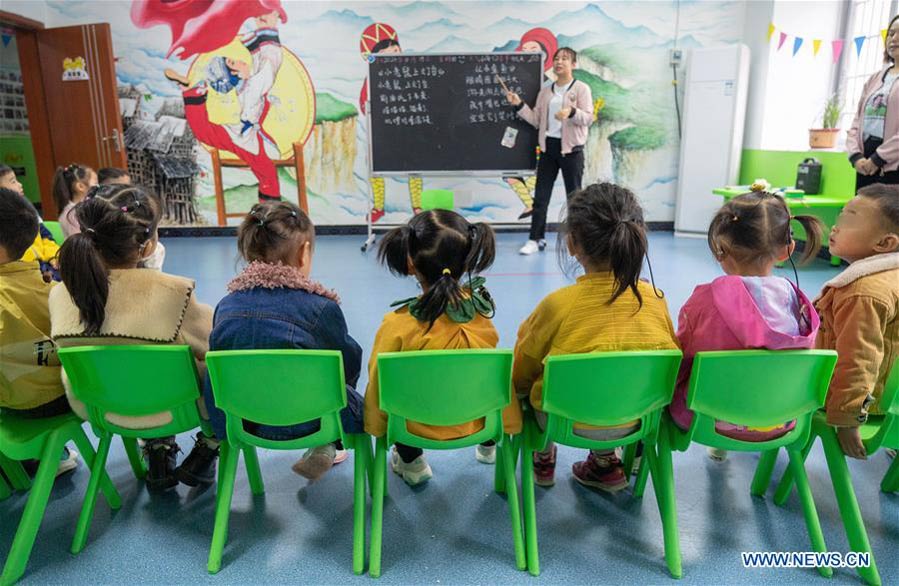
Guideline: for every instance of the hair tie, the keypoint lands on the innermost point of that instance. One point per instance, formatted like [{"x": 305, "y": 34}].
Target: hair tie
[
  {"x": 90, "y": 230},
  {"x": 124, "y": 209},
  {"x": 261, "y": 222},
  {"x": 293, "y": 213},
  {"x": 447, "y": 272},
  {"x": 735, "y": 218}
]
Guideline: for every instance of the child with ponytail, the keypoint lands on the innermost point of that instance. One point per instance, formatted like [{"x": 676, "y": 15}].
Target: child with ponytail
[
  {"x": 106, "y": 299},
  {"x": 442, "y": 251},
  {"x": 273, "y": 304},
  {"x": 71, "y": 186},
  {"x": 608, "y": 309},
  {"x": 749, "y": 306}
]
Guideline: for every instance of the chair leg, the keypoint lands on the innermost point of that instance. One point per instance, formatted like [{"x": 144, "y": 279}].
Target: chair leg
[
  {"x": 5, "y": 489},
  {"x": 360, "y": 466},
  {"x": 663, "y": 484},
  {"x": 87, "y": 452},
  {"x": 849, "y": 511},
  {"x": 499, "y": 476},
  {"x": 890, "y": 481},
  {"x": 630, "y": 452},
  {"x": 90, "y": 496},
  {"x": 785, "y": 486},
  {"x": 254, "y": 474},
  {"x": 134, "y": 457},
  {"x": 229, "y": 456},
  {"x": 642, "y": 476},
  {"x": 34, "y": 510},
  {"x": 808, "y": 507},
  {"x": 763, "y": 471},
  {"x": 377, "y": 506},
  {"x": 530, "y": 511},
  {"x": 16, "y": 474},
  {"x": 514, "y": 505}
]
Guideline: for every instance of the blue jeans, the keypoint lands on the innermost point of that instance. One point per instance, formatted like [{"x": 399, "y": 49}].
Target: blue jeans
[{"x": 350, "y": 419}]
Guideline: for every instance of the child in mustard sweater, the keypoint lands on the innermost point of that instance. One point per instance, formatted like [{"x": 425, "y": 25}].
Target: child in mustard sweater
[{"x": 608, "y": 309}]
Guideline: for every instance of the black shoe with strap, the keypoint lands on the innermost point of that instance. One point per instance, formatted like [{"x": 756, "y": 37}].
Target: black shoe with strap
[
  {"x": 162, "y": 456},
  {"x": 199, "y": 465}
]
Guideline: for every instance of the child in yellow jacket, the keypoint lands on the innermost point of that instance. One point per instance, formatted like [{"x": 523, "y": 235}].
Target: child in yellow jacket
[
  {"x": 608, "y": 309},
  {"x": 859, "y": 311},
  {"x": 44, "y": 248},
  {"x": 439, "y": 248}
]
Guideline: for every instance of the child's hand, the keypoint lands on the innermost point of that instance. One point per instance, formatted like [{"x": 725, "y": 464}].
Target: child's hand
[{"x": 851, "y": 443}]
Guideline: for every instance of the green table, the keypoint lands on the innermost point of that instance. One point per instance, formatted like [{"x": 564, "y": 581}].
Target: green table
[{"x": 824, "y": 207}]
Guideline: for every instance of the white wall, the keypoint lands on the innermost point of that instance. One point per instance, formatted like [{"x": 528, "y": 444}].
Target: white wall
[
  {"x": 33, "y": 9},
  {"x": 787, "y": 94}
]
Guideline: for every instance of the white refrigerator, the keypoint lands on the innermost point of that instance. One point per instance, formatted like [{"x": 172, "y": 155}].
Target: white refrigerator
[{"x": 712, "y": 141}]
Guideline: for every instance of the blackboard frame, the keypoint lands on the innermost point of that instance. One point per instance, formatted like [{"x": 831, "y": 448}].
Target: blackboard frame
[{"x": 455, "y": 173}]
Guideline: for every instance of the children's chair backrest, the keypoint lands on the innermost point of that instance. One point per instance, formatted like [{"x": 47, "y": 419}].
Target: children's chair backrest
[
  {"x": 135, "y": 381},
  {"x": 55, "y": 230},
  {"x": 445, "y": 387},
  {"x": 279, "y": 388},
  {"x": 758, "y": 388},
  {"x": 437, "y": 199},
  {"x": 888, "y": 434},
  {"x": 609, "y": 388}
]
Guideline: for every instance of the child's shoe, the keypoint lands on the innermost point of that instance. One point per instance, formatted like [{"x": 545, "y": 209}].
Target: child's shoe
[
  {"x": 485, "y": 454},
  {"x": 891, "y": 453},
  {"x": 414, "y": 472},
  {"x": 161, "y": 457},
  {"x": 340, "y": 456},
  {"x": 545, "y": 468},
  {"x": 199, "y": 465},
  {"x": 717, "y": 454},
  {"x": 316, "y": 462},
  {"x": 638, "y": 457},
  {"x": 602, "y": 472}
]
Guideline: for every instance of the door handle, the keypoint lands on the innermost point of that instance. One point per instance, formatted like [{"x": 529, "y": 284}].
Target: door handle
[{"x": 116, "y": 138}]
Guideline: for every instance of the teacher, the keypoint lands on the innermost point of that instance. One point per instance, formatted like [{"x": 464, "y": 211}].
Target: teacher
[
  {"x": 562, "y": 116},
  {"x": 872, "y": 142}
]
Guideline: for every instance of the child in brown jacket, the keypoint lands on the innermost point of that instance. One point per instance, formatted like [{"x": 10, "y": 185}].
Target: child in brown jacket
[{"x": 859, "y": 310}]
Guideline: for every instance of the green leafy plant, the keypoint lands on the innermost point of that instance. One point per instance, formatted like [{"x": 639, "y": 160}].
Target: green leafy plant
[{"x": 832, "y": 111}]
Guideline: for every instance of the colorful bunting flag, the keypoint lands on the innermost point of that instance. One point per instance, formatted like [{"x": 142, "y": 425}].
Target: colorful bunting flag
[
  {"x": 837, "y": 47},
  {"x": 6, "y": 39},
  {"x": 816, "y": 44},
  {"x": 783, "y": 37},
  {"x": 770, "y": 31},
  {"x": 859, "y": 41},
  {"x": 797, "y": 42},
  {"x": 883, "y": 36}
]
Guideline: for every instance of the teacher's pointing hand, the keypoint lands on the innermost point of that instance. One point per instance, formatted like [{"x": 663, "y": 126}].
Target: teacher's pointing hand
[{"x": 513, "y": 98}]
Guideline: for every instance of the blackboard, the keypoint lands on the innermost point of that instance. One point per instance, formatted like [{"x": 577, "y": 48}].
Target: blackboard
[{"x": 447, "y": 113}]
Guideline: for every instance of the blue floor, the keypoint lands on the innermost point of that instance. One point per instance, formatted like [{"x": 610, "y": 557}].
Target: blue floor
[{"x": 455, "y": 529}]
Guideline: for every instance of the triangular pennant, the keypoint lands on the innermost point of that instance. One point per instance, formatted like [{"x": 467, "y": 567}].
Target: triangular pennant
[
  {"x": 883, "y": 36},
  {"x": 770, "y": 31},
  {"x": 859, "y": 41},
  {"x": 6, "y": 39},
  {"x": 816, "y": 44},
  {"x": 783, "y": 37},
  {"x": 797, "y": 42},
  {"x": 837, "y": 47}
]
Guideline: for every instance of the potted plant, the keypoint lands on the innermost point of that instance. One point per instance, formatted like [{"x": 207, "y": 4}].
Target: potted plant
[{"x": 826, "y": 137}]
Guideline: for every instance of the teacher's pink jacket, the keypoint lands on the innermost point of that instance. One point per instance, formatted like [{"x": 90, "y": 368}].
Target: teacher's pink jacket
[
  {"x": 574, "y": 128},
  {"x": 887, "y": 154}
]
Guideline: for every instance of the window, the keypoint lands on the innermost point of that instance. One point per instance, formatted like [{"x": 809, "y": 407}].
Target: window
[{"x": 866, "y": 18}]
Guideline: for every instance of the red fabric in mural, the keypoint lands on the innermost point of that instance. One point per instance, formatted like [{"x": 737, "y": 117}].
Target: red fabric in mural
[
  {"x": 547, "y": 40},
  {"x": 200, "y": 26},
  {"x": 216, "y": 136},
  {"x": 371, "y": 36}
]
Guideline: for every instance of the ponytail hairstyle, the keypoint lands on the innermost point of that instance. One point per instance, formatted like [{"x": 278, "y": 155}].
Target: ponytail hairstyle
[
  {"x": 113, "y": 233},
  {"x": 753, "y": 227},
  {"x": 604, "y": 224},
  {"x": 442, "y": 246},
  {"x": 273, "y": 232},
  {"x": 64, "y": 181}
]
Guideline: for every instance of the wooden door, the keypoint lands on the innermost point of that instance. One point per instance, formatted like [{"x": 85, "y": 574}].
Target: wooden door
[{"x": 73, "y": 88}]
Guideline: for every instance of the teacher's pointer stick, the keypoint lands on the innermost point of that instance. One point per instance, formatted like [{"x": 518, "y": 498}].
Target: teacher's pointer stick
[{"x": 502, "y": 83}]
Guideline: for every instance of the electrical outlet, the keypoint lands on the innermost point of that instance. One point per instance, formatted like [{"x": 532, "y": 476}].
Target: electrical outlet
[{"x": 675, "y": 57}]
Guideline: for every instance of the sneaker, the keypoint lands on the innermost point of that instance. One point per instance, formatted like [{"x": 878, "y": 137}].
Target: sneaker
[
  {"x": 340, "y": 456},
  {"x": 541, "y": 245},
  {"x": 161, "y": 458},
  {"x": 602, "y": 472},
  {"x": 316, "y": 462},
  {"x": 199, "y": 465},
  {"x": 545, "y": 468},
  {"x": 530, "y": 247},
  {"x": 718, "y": 455},
  {"x": 413, "y": 473},
  {"x": 485, "y": 454},
  {"x": 68, "y": 462},
  {"x": 375, "y": 214}
]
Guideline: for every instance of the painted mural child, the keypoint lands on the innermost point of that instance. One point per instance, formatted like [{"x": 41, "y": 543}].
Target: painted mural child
[
  {"x": 252, "y": 81},
  {"x": 542, "y": 40},
  {"x": 748, "y": 307},
  {"x": 379, "y": 39}
]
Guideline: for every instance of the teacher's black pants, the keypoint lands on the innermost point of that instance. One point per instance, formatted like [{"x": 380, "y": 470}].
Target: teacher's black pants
[
  {"x": 889, "y": 178},
  {"x": 572, "y": 167}
]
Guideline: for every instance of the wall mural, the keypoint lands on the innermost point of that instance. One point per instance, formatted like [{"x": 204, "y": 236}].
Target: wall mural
[{"x": 219, "y": 97}]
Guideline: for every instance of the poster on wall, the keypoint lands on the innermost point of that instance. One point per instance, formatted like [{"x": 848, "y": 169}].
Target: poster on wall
[
  {"x": 252, "y": 81},
  {"x": 15, "y": 133}
]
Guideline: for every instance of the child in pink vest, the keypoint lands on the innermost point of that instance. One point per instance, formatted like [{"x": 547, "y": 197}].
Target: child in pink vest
[{"x": 748, "y": 307}]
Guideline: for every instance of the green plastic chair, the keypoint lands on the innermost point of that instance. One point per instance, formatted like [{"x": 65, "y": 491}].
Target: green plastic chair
[
  {"x": 134, "y": 381},
  {"x": 880, "y": 431},
  {"x": 44, "y": 440},
  {"x": 281, "y": 387},
  {"x": 605, "y": 389},
  {"x": 415, "y": 386},
  {"x": 437, "y": 199},
  {"x": 56, "y": 230},
  {"x": 757, "y": 388}
]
